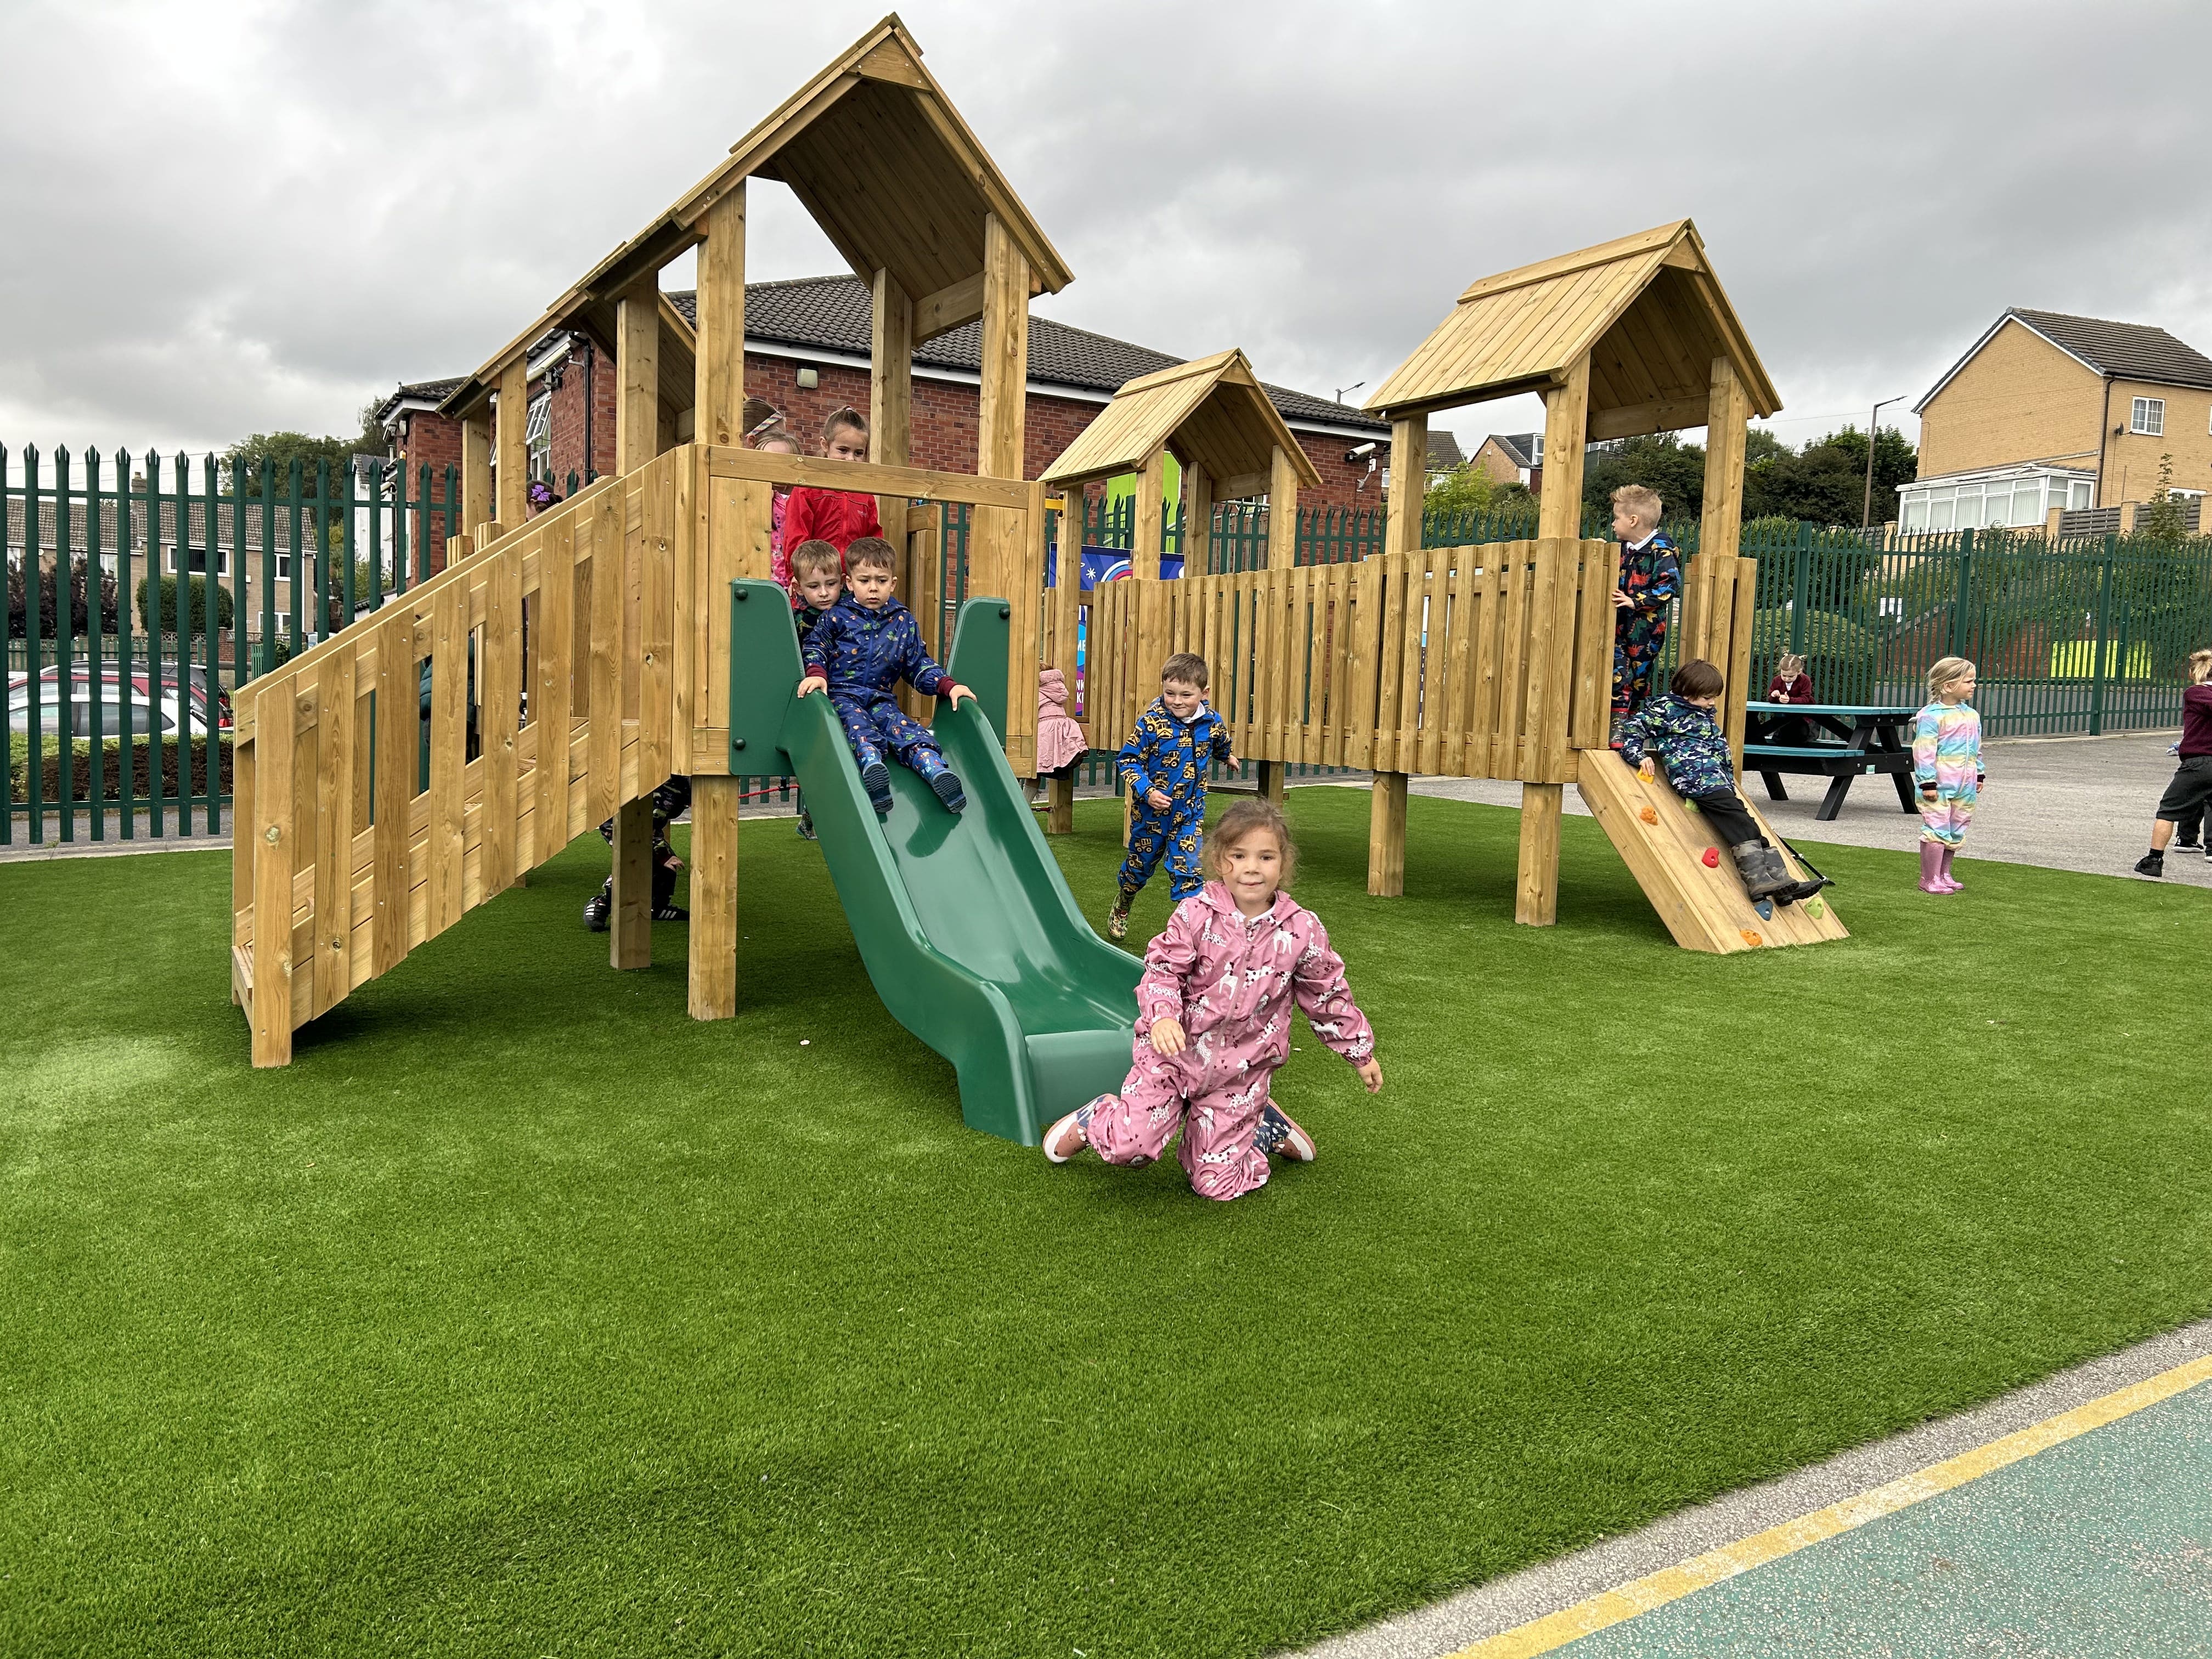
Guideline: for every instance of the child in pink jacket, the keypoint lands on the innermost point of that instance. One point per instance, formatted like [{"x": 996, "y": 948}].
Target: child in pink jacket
[{"x": 1213, "y": 1021}]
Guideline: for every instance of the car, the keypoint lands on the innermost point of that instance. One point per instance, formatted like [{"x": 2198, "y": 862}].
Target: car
[{"x": 159, "y": 701}]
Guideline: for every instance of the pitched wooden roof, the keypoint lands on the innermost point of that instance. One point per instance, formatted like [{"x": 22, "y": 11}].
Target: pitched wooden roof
[
  {"x": 1211, "y": 412},
  {"x": 1648, "y": 308},
  {"x": 878, "y": 155}
]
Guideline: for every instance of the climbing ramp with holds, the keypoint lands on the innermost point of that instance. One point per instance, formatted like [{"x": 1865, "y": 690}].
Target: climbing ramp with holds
[{"x": 1689, "y": 877}]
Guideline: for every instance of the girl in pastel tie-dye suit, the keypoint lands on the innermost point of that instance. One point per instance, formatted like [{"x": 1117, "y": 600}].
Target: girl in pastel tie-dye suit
[
  {"x": 1214, "y": 1010},
  {"x": 1947, "y": 764}
]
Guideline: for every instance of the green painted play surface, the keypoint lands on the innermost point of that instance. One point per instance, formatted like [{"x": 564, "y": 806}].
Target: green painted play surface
[
  {"x": 523, "y": 1314},
  {"x": 2100, "y": 1547}
]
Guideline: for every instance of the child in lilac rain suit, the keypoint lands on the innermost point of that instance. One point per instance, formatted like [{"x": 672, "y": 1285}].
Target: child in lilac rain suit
[
  {"x": 858, "y": 651},
  {"x": 1947, "y": 764},
  {"x": 1214, "y": 1022}
]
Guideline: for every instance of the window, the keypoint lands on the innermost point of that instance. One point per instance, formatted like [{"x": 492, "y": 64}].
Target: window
[
  {"x": 2148, "y": 417},
  {"x": 538, "y": 437}
]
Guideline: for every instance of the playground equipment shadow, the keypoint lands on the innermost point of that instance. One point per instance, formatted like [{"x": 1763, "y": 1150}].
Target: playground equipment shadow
[{"x": 521, "y": 1311}]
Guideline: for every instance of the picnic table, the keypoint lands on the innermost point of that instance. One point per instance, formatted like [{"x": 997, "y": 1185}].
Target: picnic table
[{"x": 1846, "y": 741}]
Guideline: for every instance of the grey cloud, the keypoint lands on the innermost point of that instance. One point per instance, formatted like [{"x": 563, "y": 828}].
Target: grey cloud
[{"x": 233, "y": 217}]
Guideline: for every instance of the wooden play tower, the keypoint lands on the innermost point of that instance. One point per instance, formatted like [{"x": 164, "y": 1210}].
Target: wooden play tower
[{"x": 610, "y": 611}]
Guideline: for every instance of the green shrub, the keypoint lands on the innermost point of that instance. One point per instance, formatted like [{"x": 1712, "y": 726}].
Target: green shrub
[
  {"x": 1835, "y": 647},
  {"x": 195, "y": 605}
]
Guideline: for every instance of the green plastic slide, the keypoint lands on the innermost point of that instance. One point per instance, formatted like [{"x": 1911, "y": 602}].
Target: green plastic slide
[{"x": 967, "y": 927}]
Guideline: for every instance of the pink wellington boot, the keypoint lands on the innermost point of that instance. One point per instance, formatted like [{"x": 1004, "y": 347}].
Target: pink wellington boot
[
  {"x": 1951, "y": 882},
  {"x": 1931, "y": 867}
]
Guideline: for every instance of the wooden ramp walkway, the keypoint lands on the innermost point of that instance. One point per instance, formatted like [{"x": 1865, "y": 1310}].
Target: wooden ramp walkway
[{"x": 1665, "y": 843}]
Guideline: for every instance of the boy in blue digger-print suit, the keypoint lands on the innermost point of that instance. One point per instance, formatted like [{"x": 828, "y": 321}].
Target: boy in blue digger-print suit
[
  {"x": 1163, "y": 766},
  {"x": 858, "y": 651}
]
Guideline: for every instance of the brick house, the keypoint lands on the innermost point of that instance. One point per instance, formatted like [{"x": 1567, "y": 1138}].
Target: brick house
[
  {"x": 806, "y": 355},
  {"x": 2048, "y": 413},
  {"x": 1515, "y": 458}
]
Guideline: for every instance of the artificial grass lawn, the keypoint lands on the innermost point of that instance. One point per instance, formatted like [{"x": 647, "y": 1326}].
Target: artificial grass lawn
[{"x": 522, "y": 1314}]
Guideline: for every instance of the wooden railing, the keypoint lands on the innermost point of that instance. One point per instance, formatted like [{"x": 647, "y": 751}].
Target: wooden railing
[
  {"x": 573, "y": 663},
  {"x": 1487, "y": 661}
]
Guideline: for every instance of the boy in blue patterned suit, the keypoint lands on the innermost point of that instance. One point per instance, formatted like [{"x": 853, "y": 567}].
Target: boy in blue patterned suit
[
  {"x": 1163, "y": 766},
  {"x": 858, "y": 651}
]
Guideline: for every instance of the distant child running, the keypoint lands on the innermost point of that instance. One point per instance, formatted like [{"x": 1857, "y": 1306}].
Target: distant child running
[
  {"x": 1680, "y": 728},
  {"x": 815, "y": 576},
  {"x": 858, "y": 651},
  {"x": 839, "y": 517},
  {"x": 1650, "y": 578},
  {"x": 1163, "y": 766},
  {"x": 2189, "y": 794},
  {"x": 1947, "y": 764},
  {"x": 1213, "y": 1021}
]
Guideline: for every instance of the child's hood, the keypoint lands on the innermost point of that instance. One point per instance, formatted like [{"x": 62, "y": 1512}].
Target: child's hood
[
  {"x": 890, "y": 608},
  {"x": 1052, "y": 689}
]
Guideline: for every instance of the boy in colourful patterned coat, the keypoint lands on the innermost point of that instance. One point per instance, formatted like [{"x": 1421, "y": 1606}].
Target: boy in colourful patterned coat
[
  {"x": 1163, "y": 766},
  {"x": 1650, "y": 578},
  {"x": 860, "y": 650},
  {"x": 1679, "y": 727}
]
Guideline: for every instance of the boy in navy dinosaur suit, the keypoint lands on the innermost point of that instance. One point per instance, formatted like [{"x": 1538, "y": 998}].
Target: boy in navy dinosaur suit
[
  {"x": 1163, "y": 766},
  {"x": 858, "y": 651}
]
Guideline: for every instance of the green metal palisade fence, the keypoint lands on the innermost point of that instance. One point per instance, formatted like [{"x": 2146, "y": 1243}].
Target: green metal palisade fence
[
  {"x": 118, "y": 727},
  {"x": 2086, "y": 635}
]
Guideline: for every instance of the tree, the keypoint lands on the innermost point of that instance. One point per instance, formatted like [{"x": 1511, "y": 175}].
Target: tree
[
  {"x": 1826, "y": 481},
  {"x": 1659, "y": 461},
  {"x": 280, "y": 449},
  {"x": 163, "y": 600},
  {"x": 1462, "y": 489},
  {"x": 2162, "y": 519},
  {"x": 80, "y": 598}
]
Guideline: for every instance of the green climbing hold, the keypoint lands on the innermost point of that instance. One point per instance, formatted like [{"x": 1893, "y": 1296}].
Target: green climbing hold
[{"x": 1815, "y": 909}]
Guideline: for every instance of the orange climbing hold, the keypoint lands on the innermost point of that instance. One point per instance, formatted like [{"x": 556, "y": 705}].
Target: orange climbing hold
[
  {"x": 1649, "y": 816},
  {"x": 1750, "y": 937}
]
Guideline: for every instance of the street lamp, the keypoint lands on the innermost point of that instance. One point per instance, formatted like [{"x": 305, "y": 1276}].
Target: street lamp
[
  {"x": 1865, "y": 511},
  {"x": 1355, "y": 386}
]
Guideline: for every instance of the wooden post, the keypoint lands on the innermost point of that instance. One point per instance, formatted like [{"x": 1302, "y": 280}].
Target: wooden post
[
  {"x": 637, "y": 441},
  {"x": 1385, "y": 836},
  {"x": 1282, "y": 512},
  {"x": 1559, "y": 514},
  {"x": 890, "y": 387},
  {"x": 719, "y": 377},
  {"x": 1409, "y": 482},
  {"x": 1060, "y": 806},
  {"x": 994, "y": 556},
  {"x": 1151, "y": 511},
  {"x": 1720, "y": 528},
  {"x": 1197, "y": 520},
  {"x": 1067, "y": 583},
  {"x": 714, "y": 982},
  {"x": 1401, "y": 534},
  {"x": 1272, "y": 776},
  {"x": 637, "y": 374},
  {"x": 719, "y": 418},
  {"x": 513, "y": 478},
  {"x": 476, "y": 476}
]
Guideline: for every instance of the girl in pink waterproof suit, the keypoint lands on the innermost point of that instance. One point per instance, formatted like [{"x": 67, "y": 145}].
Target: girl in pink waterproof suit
[{"x": 1213, "y": 1021}]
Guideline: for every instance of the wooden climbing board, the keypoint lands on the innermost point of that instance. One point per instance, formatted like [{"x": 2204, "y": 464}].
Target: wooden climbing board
[{"x": 1665, "y": 843}]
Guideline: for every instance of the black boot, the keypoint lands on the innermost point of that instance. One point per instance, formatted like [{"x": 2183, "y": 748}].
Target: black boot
[
  {"x": 1761, "y": 869},
  {"x": 599, "y": 906}
]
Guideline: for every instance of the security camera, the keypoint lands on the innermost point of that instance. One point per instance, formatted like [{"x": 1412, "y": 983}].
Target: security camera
[{"x": 1361, "y": 453}]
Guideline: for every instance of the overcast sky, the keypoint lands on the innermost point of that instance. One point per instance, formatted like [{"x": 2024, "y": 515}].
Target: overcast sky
[{"x": 228, "y": 217}]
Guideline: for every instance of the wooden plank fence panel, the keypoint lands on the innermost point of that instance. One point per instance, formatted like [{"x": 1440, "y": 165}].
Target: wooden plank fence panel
[
  {"x": 499, "y": 714},
  {"x": 334, "y": 829},
  {"x": 449, "y": 683}
]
